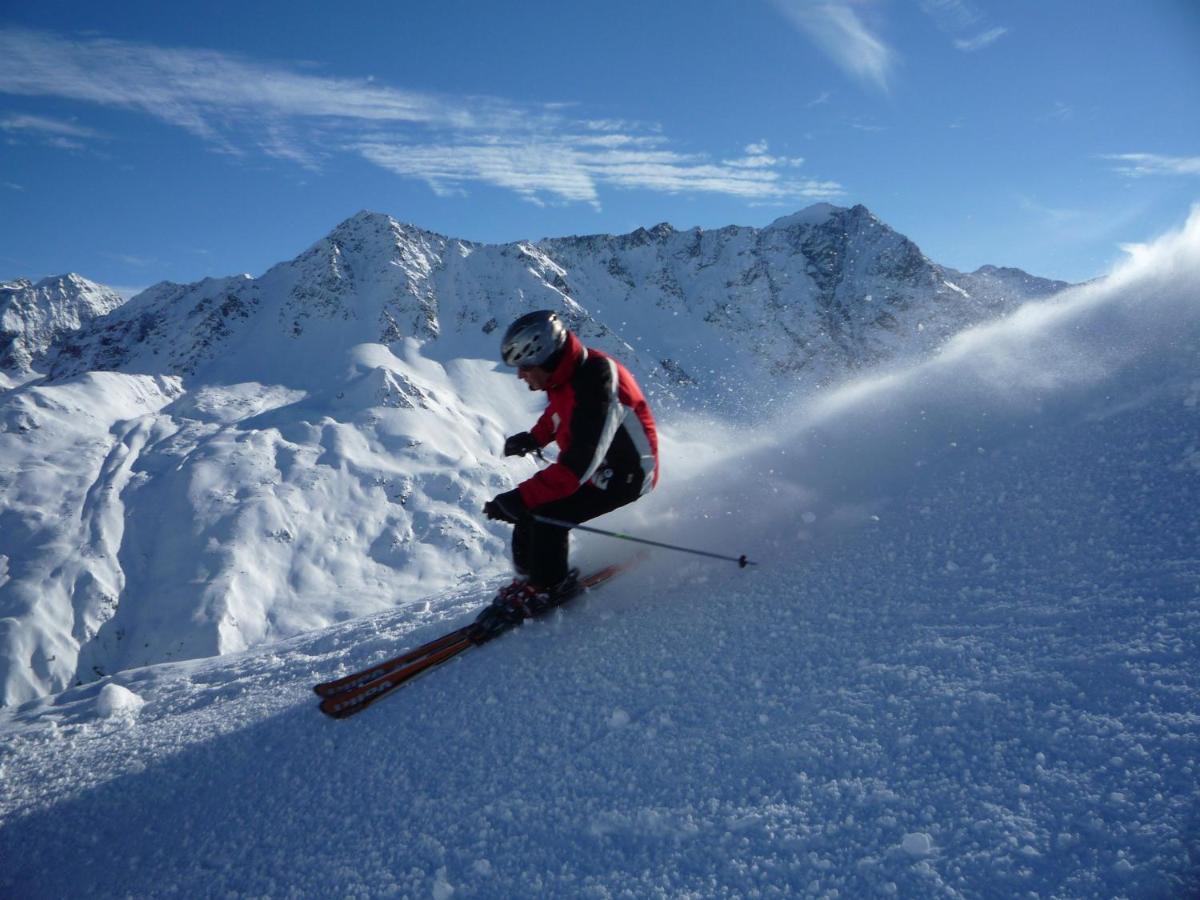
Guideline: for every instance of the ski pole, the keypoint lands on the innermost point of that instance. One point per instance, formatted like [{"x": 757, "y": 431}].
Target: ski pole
[{"x": 740, "y": 560}]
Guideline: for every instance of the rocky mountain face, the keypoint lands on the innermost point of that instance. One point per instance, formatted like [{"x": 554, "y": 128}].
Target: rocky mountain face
[{"x": 34, "y": 317}]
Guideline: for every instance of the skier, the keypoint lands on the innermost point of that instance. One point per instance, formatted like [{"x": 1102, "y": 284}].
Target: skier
[{"x": 608, "y": 457}]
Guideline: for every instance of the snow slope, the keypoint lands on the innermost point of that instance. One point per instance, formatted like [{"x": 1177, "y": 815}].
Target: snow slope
[
  {"x": 967, "y": 666},
  {"x": 323, "y": 436},
  {"x": 143, "y": 522}
]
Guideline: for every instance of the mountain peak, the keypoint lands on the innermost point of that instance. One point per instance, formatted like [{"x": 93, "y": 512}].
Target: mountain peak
[
  {"x": 35, "y": 316},
  {"x": 367, "y": 217},
  {"x": 369, "y": 230}
]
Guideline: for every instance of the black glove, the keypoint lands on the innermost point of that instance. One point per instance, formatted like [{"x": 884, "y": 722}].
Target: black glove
[
  {"x": 506, "y": 507},
  {"x": 520, "y": 444}
]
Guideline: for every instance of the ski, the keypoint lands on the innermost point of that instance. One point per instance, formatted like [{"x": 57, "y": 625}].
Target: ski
[
  {"x": 339, "y": 706},
  {"x": 349, "y": 695},
  {"x": 358, "y": 679}
]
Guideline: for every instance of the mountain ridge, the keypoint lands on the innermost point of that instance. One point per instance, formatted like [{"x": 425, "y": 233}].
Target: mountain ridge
[{"x": 823, "y": 291}]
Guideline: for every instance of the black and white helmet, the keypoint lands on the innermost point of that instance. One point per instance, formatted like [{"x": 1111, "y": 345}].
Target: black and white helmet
[{"x": 533, "y": 339}]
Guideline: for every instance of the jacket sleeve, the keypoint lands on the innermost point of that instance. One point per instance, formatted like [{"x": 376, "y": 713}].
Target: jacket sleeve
[{"x": 543, "y": 431}]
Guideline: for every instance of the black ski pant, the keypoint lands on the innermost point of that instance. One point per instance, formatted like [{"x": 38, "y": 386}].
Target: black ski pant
[{"x": 540, "y": 550}]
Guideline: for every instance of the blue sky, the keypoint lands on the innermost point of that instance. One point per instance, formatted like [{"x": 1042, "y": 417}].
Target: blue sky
[{"x": 144, "y": 141}]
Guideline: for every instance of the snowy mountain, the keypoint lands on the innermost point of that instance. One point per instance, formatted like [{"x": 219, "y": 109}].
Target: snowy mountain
[
  {"x": 965, "y": 666},
  {"x": 811, "y": 296},
  {"x": 33, "y": 317},
  {"x": 213, "y": 466},
  {"x": 372, "y": 280}
]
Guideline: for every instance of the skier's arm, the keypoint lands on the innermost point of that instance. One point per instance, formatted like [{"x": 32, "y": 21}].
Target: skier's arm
[
  {"x": 594, "y": 421},
  {"x": 543, "y": 431}
]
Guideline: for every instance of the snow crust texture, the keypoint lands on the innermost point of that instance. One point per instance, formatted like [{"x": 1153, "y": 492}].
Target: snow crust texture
[{"x": 965, "y": 666}]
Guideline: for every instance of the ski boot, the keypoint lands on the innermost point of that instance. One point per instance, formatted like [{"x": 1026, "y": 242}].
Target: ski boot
[
  {"x": 502, "y": 613},
  {"x": 538, "y": 601},
  {"x": 519, "y": 601}
]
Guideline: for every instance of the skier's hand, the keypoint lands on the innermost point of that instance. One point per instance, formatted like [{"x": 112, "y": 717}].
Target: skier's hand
[
  {"x": 506, "y": 507},
  {"x": 520, "y": 444}
]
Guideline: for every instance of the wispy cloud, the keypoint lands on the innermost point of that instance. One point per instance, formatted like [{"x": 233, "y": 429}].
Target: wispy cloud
[
  {"x": 858, "y": 123},
  {"x": 836, "y": 27},
  {"x": 241, "y": 106},
  {"x": 1138, "y": 165},
  {"x": 979, "y": 41},
  {"x": 50, "y": 131},
  {"x": 46, "y": 125},
  {"x": 574, "y": 168},
  {"x": 966, "y": 26},
  {"x": 200, "y": 90}
]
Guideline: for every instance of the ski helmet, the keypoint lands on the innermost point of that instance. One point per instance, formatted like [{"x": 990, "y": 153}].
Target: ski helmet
[{"x": 533, "y": 339}]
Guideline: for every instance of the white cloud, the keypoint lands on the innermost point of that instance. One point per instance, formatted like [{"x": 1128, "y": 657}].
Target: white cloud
[
  {"x": 841, "y": 33},
  {"x": 987, "y": 38},
  {"x": 241, "y": 106},
  {"x": 48, "y": 131},
  {"x": 47, "y": 125},
  {"x": 528, "y": 169},
  {"x": 213, "y": 95},
  {"x": 1137, "y": 165},
  {"x": 860, "y": 124},
  {"x": 964, "y": 23},
  {"x": 574, "y": 170}
]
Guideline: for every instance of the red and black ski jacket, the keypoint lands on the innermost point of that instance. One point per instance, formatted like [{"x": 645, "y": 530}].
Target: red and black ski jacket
[{"x": 602, "y": 425}]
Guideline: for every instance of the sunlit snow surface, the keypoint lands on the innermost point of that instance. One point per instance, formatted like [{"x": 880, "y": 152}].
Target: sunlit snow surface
[{"x": 966, "y": 666}]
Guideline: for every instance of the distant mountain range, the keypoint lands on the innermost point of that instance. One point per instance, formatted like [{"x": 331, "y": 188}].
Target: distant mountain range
[
  {"x": 212, "y": 466},
  {"x": 808, "y": 297}
]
